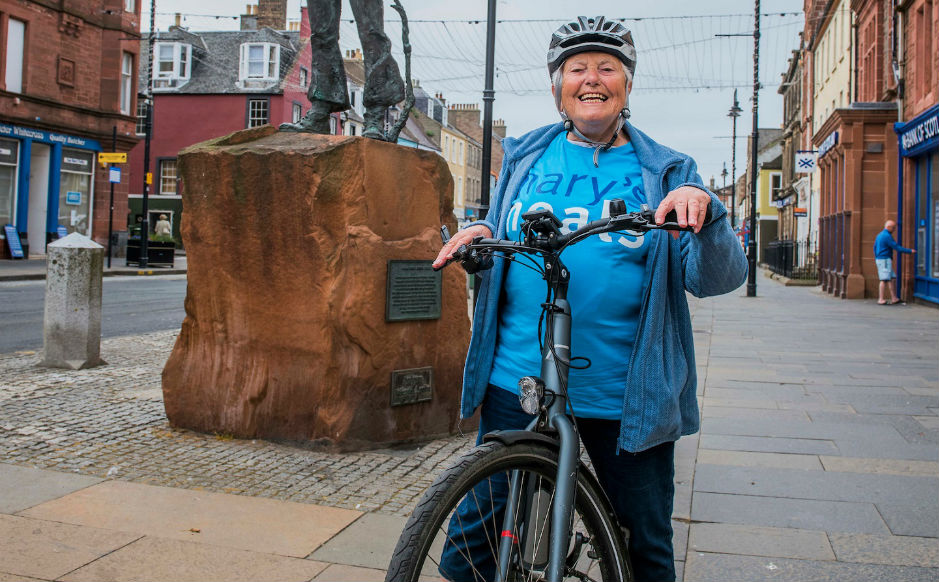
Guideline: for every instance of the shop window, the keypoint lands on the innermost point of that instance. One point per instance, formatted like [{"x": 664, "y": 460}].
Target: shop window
[
  {"x": 172, "y": 64},
  {"x": 258, "y": 112},
  {"x": 9, "y": 155},
  {"x": 127, "y": 82},
  {"x": 167, "y": 177},
  {"x": 141, "y": 126},
  {"x": 76, "y": 191},
  {"x": 934, "y": 197},
  {"x": 15, "y": 52},
  {"x": 259, "y": 62},
  {"x": 297, "y": 112}
]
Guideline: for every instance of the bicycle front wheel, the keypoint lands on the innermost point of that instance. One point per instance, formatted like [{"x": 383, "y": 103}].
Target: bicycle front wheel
[{"x": 457, "y": 527}]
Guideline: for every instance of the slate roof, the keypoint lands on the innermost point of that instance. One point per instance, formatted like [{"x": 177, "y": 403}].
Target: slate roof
[
  {"x": 427, "y": 125},
  {"x": 414, "y": 131},
  {"x": 215, "y": 57}
]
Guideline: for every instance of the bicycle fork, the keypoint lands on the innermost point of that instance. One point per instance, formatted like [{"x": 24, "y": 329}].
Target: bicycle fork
[{"x": 554, "y": 371}]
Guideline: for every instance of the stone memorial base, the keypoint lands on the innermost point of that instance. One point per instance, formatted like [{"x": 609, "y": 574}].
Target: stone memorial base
[{"x": 288, "y": 239}]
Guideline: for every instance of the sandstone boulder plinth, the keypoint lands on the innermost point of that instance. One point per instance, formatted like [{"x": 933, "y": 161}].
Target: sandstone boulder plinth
[{"x": 287, "y": 237}]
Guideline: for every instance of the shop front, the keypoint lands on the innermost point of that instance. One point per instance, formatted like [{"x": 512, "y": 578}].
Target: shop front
[
  {"x": 919, "y": 183},
  {"x": 46, "y": 185}
]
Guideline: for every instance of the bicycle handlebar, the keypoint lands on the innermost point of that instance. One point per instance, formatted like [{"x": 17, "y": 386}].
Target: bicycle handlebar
[{"x": 543, "y": 235}]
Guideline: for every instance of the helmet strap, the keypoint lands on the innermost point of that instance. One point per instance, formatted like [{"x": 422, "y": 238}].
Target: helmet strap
[{"x": 600, "y": 146}]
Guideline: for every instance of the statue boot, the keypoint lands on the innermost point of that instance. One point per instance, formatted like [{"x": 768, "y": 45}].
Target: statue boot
[
  {"x": 375, "y": 123},
  {"x": 316, "y": 120}
]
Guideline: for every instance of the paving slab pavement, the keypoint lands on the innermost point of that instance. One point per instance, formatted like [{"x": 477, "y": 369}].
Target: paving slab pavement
[{"x": 818, "y": 459}]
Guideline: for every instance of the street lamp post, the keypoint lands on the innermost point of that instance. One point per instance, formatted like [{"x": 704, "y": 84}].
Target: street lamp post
[
  {"x": 734, "y": 113},
  {"x": 751, "y": 247},
  {"x": 145, "y": 201}
]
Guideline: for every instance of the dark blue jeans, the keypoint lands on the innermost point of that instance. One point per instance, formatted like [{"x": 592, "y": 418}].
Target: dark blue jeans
[{"x": 639, "y": 485}]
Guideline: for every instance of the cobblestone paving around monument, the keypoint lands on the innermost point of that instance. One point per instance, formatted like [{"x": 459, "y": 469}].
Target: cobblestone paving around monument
[{"x": 109, "y": 422}]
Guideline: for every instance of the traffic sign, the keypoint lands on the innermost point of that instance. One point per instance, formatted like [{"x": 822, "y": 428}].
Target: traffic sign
[{"x": 112, "y": 157}]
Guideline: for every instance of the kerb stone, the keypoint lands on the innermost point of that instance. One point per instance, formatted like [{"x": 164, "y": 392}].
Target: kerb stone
[{"x": 72, "y": 321}]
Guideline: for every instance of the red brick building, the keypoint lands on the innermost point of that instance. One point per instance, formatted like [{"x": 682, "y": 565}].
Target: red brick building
[
  {"x": 67, "y": 87},
  {"x": 857, "y": 157},
  {"x": 210, "y": 84}
]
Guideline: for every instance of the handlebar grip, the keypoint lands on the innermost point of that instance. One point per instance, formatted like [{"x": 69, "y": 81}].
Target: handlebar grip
[{"x": 672, "y": 216}]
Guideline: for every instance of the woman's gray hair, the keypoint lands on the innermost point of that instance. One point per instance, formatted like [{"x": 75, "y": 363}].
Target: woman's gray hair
[{"x": 558, "y": 77}]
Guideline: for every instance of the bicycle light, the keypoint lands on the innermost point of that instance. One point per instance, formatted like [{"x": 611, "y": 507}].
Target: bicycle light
[{"x": 530, "y": 394}]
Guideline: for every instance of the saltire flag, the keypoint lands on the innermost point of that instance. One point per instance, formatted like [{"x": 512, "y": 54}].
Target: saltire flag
[{"x": 806, "y": 161}]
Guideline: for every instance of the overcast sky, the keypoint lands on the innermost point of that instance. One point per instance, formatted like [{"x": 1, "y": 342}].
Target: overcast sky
[{"x": 682, "y": 102}]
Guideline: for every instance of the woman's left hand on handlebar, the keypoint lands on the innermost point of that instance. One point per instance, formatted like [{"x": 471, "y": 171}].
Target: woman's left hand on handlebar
[
  {"x": 463, "y": 237},
  {"x": 689, "y": 203}
]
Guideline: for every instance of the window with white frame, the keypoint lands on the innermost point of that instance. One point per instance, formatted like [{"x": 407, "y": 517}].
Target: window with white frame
[
  {"x": 775, "y": 185},
  {"x": 257, "y": 112},
  {"x": 171, "y": 63},
  {"x": 141, "y": 126},
  {"x": 130, "y": 5},
  {"x": 15, "y": 51},
  {"x": 297, "y": 112},
  {"x": 260, "y": 61},
  {"x": 127, "y": 82},
  {"x": 304, "y": 75},
  {"x": 168, "y": 177}
]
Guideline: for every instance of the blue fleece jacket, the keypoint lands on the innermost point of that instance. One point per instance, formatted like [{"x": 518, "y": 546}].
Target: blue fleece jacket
[{"x": 659, "y": 404}]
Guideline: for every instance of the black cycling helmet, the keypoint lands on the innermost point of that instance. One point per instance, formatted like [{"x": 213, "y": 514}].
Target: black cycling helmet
[{"x": 592, "y": 35}]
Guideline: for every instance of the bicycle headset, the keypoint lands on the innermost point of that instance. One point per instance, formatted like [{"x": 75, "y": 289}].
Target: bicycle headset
[{"x": 590, "y": 35}]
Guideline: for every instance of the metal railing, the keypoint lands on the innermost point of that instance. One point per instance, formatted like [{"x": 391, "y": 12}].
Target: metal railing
[{"x": 792, "y": 259}]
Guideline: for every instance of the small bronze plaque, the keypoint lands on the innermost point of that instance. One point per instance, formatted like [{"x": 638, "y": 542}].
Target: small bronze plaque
[
  {"x": 412, "y": 292},
  {"x": 411, "y": 386}
]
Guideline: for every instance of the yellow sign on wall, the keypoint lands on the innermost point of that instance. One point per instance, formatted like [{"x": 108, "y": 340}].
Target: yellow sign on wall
[{"x": 112, "y": 158}]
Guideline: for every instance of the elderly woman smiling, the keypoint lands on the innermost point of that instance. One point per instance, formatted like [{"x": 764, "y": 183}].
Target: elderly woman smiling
[{"x": 631, "y": 315}]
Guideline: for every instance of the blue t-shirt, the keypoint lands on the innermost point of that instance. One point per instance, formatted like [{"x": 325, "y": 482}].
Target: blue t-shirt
[{"x": 607, "y": 276}]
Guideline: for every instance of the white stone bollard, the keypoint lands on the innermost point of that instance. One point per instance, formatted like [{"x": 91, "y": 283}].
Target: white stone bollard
[{"x": 72, "y": 322}]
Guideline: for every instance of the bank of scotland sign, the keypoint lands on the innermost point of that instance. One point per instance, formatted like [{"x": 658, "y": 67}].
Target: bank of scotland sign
[{"x": 806, "y": 161}]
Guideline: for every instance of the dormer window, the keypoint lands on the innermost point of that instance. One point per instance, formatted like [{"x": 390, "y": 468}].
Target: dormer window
[
  {"x": 172, "y": 64},
  {"x": 260, "y": 61}
]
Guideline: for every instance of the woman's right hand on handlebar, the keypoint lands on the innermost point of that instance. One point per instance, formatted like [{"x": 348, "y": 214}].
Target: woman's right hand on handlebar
[{"x": 463, "y": 237}]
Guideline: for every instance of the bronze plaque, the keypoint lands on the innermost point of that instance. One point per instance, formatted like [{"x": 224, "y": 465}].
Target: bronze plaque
[
  {"x": 412, "y": 292},
  {"x": 411, "y": 386}
]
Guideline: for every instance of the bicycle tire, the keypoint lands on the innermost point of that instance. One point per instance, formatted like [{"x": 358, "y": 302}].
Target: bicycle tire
[{"x": 592, "y": 515}]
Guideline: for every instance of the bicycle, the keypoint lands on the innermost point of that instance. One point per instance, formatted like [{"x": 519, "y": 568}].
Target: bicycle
[{"x": 537, "y": 473}]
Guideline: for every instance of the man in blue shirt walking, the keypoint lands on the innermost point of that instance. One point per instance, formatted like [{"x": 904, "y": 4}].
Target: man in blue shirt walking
[{"x": 884, "y": 245}]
